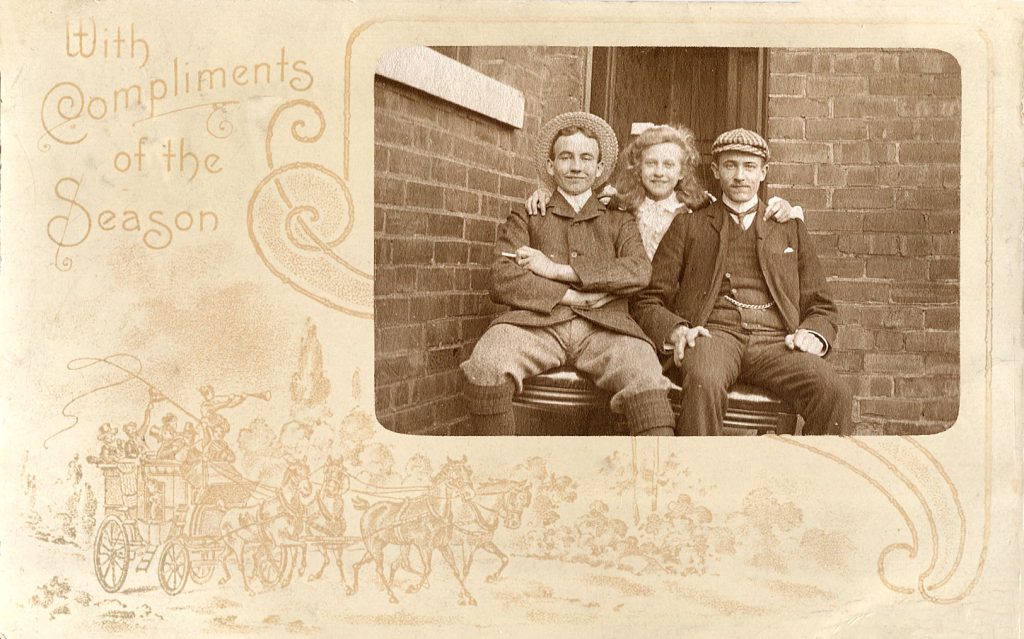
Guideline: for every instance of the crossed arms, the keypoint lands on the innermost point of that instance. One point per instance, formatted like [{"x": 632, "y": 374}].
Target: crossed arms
[{"x": 532, "y": 280}]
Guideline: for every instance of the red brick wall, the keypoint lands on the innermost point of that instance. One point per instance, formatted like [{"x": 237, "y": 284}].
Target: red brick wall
[
  {"x": 444, "y": 179},
  {"x": 868, "y": 141}
]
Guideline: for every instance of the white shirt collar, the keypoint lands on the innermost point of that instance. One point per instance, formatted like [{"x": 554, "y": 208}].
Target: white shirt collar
[
  {"x": 740, "y": 207},
  {"x": 576, "y": 201},
  {"x": 748, "y": 209}
]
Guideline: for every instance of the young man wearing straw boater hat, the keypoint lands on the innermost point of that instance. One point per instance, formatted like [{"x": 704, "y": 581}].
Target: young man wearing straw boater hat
[
  {"x": 566, "y": 277},
  {"x": 732, "y": 297}
]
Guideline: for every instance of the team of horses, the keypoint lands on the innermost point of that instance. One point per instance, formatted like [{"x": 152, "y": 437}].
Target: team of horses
[{"x": 274, "y": 534}]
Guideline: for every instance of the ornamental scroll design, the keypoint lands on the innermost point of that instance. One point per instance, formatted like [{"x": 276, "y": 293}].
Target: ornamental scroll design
[
  {"x": 301, "y": 214},
  {"x": 917, "y": 485}
]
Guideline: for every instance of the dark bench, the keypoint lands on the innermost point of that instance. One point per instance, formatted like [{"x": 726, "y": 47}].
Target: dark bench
[{"x": 564, "y": 402}]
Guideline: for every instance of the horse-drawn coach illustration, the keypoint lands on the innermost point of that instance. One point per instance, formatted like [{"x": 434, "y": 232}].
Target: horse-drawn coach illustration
[{"x": 172, "y": 495}]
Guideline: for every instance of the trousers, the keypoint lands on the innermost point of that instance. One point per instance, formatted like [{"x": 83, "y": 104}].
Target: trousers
[
  {"x": 759, "y": 357},
  {"x": 623, "y": 365}
]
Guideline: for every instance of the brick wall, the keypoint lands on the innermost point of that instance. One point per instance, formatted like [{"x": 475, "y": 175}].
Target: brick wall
[
  {"x": 868, "y": 141},
  {"x": 444, "y": 179}
]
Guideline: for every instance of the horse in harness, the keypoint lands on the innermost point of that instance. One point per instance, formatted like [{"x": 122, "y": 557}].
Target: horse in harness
[
  {"x": 423, "y": 522},
  {"x": 326, "y": 523},
  {"x": 474, "y": 525},
  {"x": 273, "y": 524},
  {"x": 476, "y": 528}
]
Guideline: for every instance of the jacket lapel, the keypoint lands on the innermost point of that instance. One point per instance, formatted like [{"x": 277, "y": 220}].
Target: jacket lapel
[
  {"x": 592, "y": 208},
  {"x": 716, "y": 213},
  {"x": 766, "y": 229},
  {"x": 560, "y": 206}
]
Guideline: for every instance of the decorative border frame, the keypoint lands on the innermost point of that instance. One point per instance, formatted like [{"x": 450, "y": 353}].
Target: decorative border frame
[{"x": 923, "y": 493}]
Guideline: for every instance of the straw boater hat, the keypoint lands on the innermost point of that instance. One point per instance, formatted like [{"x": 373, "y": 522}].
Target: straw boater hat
[
  {"x": 588, "y": 121},
  {"x": 742, "y": 140}
]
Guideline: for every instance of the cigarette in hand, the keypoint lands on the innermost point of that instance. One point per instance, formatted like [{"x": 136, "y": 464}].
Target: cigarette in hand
[{"x": 507, "y": 254}]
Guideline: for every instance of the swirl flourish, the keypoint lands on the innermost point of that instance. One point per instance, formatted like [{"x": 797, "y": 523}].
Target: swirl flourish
[{"x": 68, "y": 108}]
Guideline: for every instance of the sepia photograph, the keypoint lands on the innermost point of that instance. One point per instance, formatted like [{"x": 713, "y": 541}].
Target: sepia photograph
[
  {"x": 561, "y": 241},
  {"x": 378, "y": 318}
]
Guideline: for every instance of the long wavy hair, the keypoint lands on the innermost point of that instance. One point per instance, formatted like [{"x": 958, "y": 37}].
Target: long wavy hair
[{"x": 627, "y": 180}]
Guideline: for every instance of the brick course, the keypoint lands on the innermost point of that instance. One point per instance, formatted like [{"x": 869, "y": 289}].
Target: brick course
[
  {"x": 881, "y": 131},
  {"x": 444, "y": 179}
]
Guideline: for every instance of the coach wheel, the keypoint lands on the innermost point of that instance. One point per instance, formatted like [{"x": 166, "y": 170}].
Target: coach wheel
[
  {"x": 271, "y": 565},
  {"x": 110, "y": 555},
  {"x": 201, "y": 573},
  {"x": 174, "y": 567}
]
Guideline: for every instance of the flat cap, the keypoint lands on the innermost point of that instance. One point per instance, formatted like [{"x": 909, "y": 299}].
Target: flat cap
[{"x": 742, "y": 140}]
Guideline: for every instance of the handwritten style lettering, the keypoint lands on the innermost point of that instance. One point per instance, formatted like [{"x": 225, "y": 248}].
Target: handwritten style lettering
[
  {"x": 82, "y": 42},
  {"x": 171, "y": 87},
  {"x": 66, "y": 103},
  {"x": 59, "y": 225},
  {"x": 157, "y": 227}
]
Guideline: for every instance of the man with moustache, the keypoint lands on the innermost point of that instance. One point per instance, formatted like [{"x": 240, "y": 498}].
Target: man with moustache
[{"x": 734, "y": 298}]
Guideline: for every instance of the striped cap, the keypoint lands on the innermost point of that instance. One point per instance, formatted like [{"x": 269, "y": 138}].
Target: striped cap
[{"x": 742, "y": 140}]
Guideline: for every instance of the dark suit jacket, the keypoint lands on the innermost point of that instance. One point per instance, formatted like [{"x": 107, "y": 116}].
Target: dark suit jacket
[
  {"x": 604, "y": 248},
  {"x": 690, "y": 264}
]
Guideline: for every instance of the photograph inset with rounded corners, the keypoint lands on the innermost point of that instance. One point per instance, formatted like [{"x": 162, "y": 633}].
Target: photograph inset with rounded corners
[{"x": 495, "y": 314}]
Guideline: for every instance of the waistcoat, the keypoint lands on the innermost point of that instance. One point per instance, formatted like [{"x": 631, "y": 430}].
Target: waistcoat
[{"x": 744, "y": 282}]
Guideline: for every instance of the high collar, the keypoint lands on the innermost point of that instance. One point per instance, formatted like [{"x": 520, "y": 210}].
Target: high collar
[
  {"x": 740, "y": 207},
  {"x": 671, "y": 203},
  {"x": 719, "y": 213}
]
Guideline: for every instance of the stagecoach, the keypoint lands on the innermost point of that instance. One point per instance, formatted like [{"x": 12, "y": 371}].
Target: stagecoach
[{"x": 170, "y": 511}]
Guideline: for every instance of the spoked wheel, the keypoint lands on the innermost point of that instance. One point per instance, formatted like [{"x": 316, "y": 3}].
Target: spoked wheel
[
  {"x": 110, "y": 554},
  {"x": 270, "y": 566},
  {"x": 201, "y": 573},
  {"x": 174, "y": 567}
]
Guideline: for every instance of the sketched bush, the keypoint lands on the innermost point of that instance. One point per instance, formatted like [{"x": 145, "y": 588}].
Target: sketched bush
[
  {"x": 678, "y": 537},
  {"x": 541, "y": 534},
  {"x": 256, "y": 445},
  {"x": 828, "y": 549},
  {"x": 68, "y": 518},
  {"x": 375, "y": 464},
  {"x": 87, "y": 512},
  {"x": 602, "y": 538},
  {"x": 763, "y": 520}
]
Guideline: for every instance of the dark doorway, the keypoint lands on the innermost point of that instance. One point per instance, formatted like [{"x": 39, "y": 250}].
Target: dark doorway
[{"x": 709, "y": 90}]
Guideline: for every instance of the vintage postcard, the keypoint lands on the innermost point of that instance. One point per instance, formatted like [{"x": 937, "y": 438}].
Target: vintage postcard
[{"x": 510, "y": 319}]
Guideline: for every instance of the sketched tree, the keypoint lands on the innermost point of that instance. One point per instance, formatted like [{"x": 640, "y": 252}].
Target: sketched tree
[
  {"x": 87, "y": 512},
  {"x": 600, "y": 535},
  {"x": 763, "y": 517},
  {"x": 309, "y": 386},
  {"x": 376, "y": 465},
  {"x": 358, "y": 426},
  {"x": 258, "y": 450},
  {"x": 542, "y": 535},
  {"x": 417, "y": 470}
]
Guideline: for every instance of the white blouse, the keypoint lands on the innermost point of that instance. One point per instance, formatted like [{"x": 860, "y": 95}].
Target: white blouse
[{"x": 654, "y": 218}]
